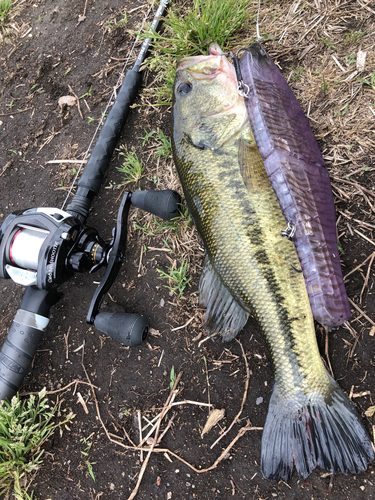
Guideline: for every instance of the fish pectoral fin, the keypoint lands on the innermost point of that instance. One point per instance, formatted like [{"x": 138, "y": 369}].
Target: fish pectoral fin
[
  {"x": 251, "y": 166},
  {"x": 224, "y": 315}
]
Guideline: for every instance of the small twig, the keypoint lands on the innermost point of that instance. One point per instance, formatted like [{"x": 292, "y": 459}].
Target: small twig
[
  {"x": 67, "y": 161},
  {"x": 48, "y": 140},
  {"x": 361, "y": 394},
  {"x": 166, "y": 429},
  {"x": 359, "y": 266},
  {"x": 154, "y": 421},
  {"x": 209, "y": 337},
  {"x": 361, "y": 188},
  {"x": 189, "y": 402},
  {"x": 15, "y": 112},
  {"x": 367, "y": 277},
  {"x": 140, "y": 431},
  {"x": 140, "y": 259},
  {"x": 155, "y": 249},
  {"x": 208, "y": 385},
  {"x": 183, "y": 326},
  {"x": 364, "y": 237},
  {"x": 66, "y": 337},
  {"x": 161, "y": 357},
  {"x": 241, "y": 432},
  {"x": 137, "y": 8},
  {"x": 5, "y": 167},
  {"x": 84, "y": 10},
  {"x": 76, "y": 381},
  {"x": 77, "y": 99},
  {"x": 236, "y": 418},
  {"x": 362, "y": 313},
  {"x": 164, "y": 411},
  {"x": 82, "y": 401}
]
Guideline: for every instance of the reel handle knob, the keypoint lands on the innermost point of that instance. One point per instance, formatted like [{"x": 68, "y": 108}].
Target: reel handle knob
[
  {"x": 163, "y": 203},
  {"x": 128, "y": 329}
]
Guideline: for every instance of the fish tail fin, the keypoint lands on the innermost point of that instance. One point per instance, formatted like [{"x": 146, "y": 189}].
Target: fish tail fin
[{"x": 313, "y": 431}]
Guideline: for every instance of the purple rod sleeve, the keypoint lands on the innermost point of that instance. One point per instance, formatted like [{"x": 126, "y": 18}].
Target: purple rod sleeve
[{"x": 299, "y": 177}]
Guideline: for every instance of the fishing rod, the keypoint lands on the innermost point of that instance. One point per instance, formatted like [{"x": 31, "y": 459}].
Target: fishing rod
[{"x": 41, "y": 248}]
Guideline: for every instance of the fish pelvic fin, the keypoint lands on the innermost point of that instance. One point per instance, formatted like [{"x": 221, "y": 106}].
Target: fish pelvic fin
[
  {"x": 224, "y": 315},
  {"x": 319, "y": 431}
]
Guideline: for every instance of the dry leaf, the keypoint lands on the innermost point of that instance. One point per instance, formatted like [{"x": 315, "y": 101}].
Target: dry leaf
[
  {"x": 154, "y": 333},
  {"x": 213, "y": 418},
  {"x": 361, "y": 60},
  {"x": 370, "y": 411},
  {"x": 69, "y": 100}
]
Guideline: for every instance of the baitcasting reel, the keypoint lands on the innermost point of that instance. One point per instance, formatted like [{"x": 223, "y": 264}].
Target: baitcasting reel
[{"x": 40, "y": 248}]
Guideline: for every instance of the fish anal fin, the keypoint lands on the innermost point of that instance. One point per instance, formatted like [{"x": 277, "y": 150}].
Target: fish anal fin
[{"x": 224, "y": 315}]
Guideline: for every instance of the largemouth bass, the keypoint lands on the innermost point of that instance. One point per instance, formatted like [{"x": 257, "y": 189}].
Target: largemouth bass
[
  {"x": 250, "y": 268},
  {"x": 300, "y": 179}
]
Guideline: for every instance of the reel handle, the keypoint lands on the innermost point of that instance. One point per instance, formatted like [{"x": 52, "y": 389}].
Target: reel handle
[
  {"x": 23, "y": 339},
  {"x": 128, "y": 329},
  {"x": 163, "y": 203}
]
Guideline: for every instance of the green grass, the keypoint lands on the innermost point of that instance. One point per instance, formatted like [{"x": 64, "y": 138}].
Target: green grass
[
  {"x": 24, "y": 427},
  {"x": 175, "y": 225},
  {"x": 370, "y": 82},
  {"x": 190, "y": 33},
  {"x": 297, "y": 73},
  {"x": 163, "y": 143},
  {"x": 132, "y": 167},
  {"x": 328, "y": 43},
  {"x": 353, "y": 37},
  {"x": 5, "y": 6},
  {"x": 351, "y": 59},
  {"x": 177, "y": 277},
  {"x": 172, "y": 376}
]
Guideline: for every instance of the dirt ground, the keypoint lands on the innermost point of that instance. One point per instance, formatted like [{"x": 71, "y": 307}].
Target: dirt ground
[{"x": 48, "y": 51}]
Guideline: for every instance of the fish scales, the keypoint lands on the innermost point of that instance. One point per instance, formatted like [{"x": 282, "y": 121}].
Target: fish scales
[
  {"x": 250, "y": 268},
  {"x": 241, "y": 232}
]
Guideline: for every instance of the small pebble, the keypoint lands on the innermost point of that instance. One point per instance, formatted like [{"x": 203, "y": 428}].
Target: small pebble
[
  {"x": 259, "y": 400},
  {"x": 111, "y": 486},
  {"x": 162, "y": 302}
]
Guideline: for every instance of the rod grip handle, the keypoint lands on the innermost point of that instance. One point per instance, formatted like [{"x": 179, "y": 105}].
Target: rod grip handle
[
  {"x": 19, "y": 350},
  {"x": 96, "y": 167}
]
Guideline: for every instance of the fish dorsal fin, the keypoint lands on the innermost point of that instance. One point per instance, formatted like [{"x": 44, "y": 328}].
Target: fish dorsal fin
[
  {"x": 224, "y": 315},
  {"x": 251, "y": 164}
]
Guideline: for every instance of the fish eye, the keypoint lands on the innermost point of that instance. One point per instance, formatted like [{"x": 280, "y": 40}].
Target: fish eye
[{"x": 184, "y": 88}]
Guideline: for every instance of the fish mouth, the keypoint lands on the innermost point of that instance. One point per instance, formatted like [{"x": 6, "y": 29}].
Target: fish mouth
[
  {"x": 206, "y": 67},
  {"x": 201, "y": 67}
]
